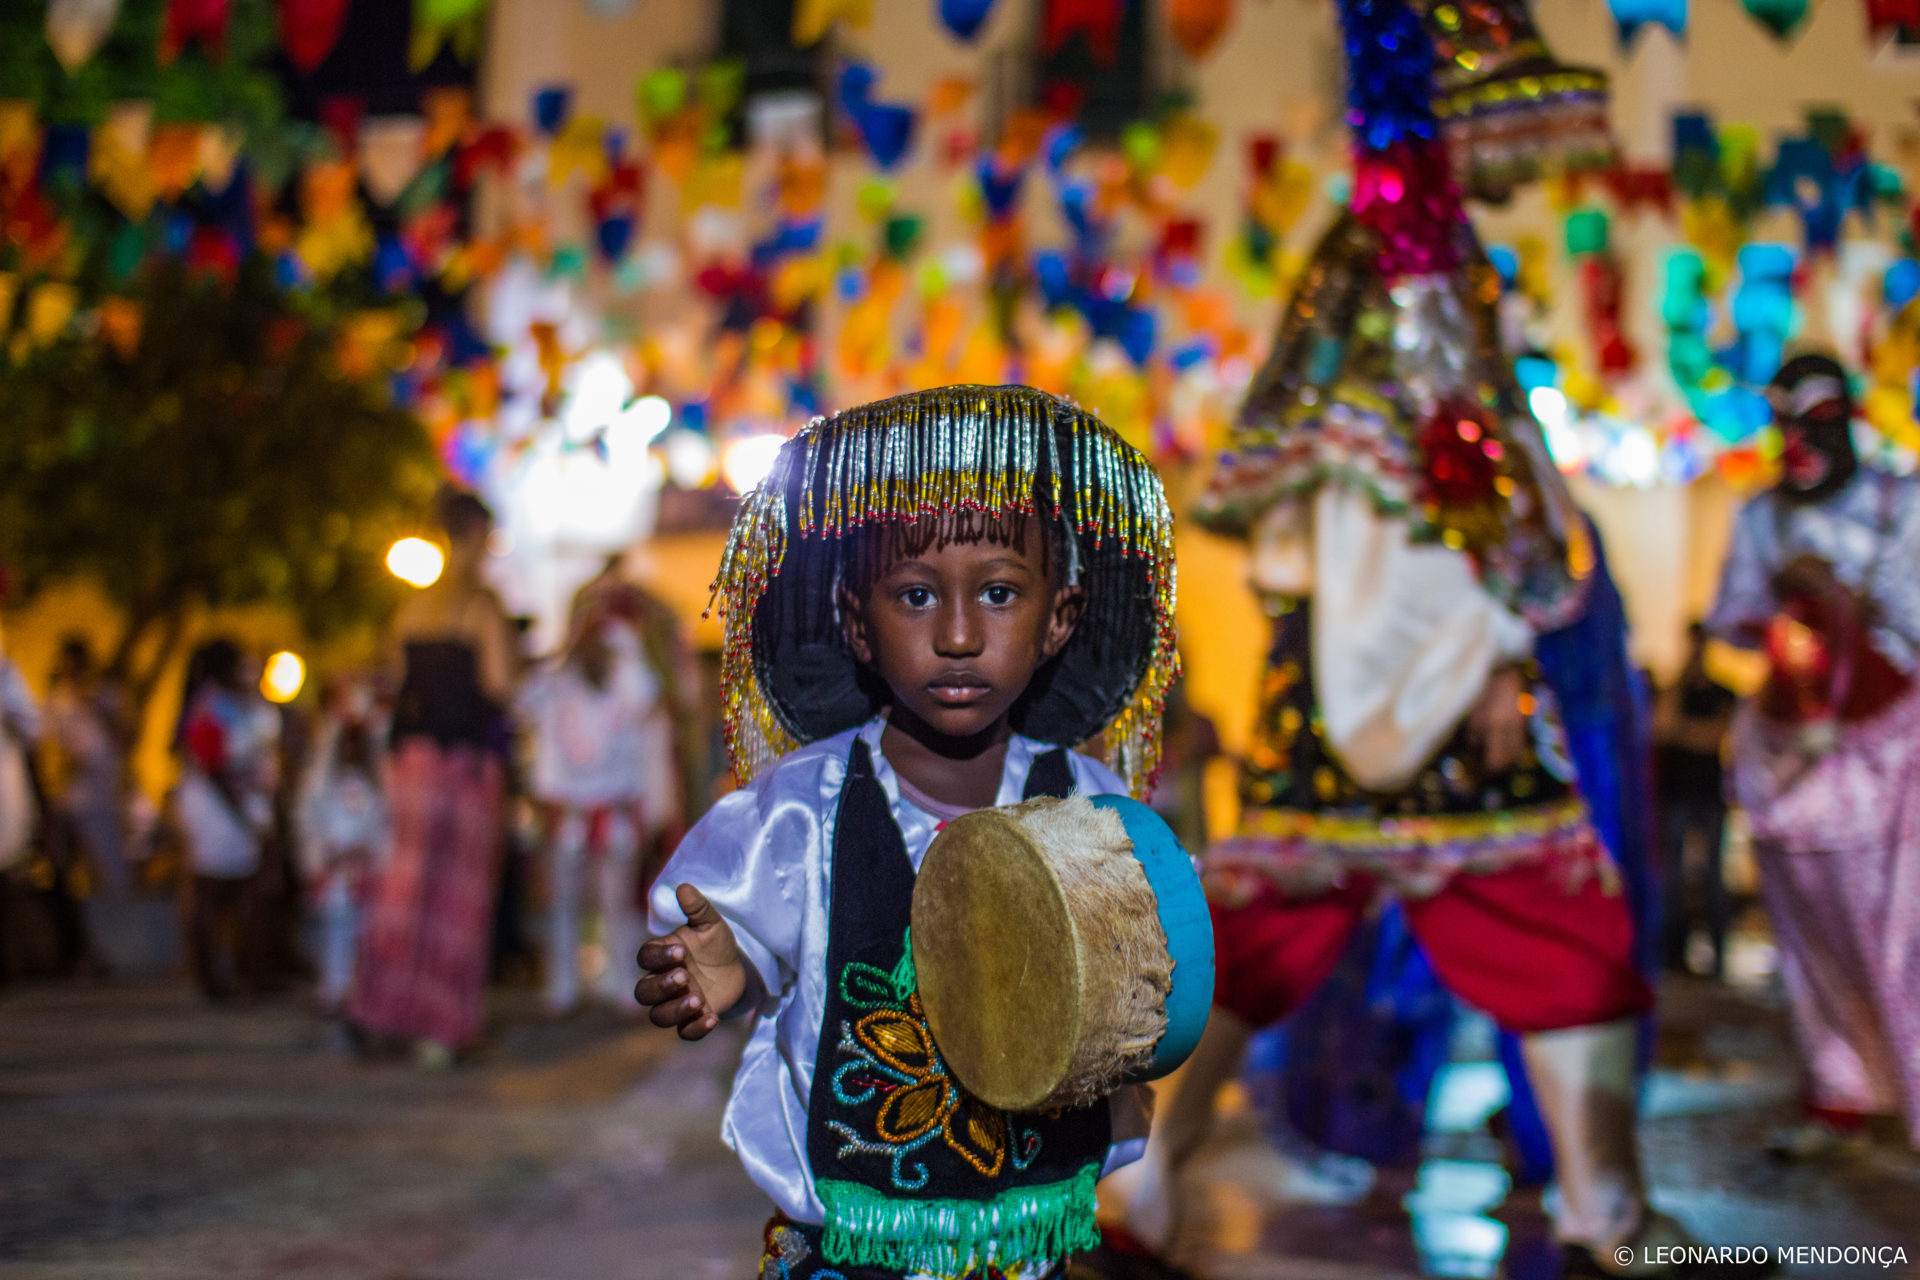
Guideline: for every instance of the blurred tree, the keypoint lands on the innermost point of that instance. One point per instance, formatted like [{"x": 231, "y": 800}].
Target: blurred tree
[
  {"x": 234, "y": 85},
  {"x": 205, "y": 447}
]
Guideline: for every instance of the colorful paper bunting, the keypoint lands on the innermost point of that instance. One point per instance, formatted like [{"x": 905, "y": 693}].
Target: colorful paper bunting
[
  {"x": 1116, "y": 311},
  {"x": 811, "y": 18},
  {"x": 1097, "y": 22},
  {"x": 1197, "y": 25},
  {"x": 77, "y": 28},
  {"x": 963, "y": 18},
  {"x": 1901, "y": 284},
  {"x": 454, "y": 24},
  {"x": 1885, "y": 15},
  {"x": 552, "y": 104},
  {"x": 887, "y": 129},
  {"x": 201, "y": 22},
  {"x": 309, "y": 29},
  {"x": 1781, "y": 17},
  {"x": 1630, "y": 15}
]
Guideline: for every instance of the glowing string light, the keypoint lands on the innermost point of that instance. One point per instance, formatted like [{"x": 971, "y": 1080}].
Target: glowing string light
[
  {"x": 283, "y": 677},
  {"x": 416, "y": 561}
]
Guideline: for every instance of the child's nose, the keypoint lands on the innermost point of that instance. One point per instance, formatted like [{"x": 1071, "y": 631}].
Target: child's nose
[{"x": 959, "y": 631}]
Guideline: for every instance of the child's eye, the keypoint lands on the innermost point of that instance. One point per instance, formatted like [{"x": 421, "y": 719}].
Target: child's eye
[
  {"x": 999, "y": 594},
  {"x": 916, "y": 598}
]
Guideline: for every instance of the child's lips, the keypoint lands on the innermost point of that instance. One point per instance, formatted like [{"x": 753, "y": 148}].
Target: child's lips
[{"x": 958, "y": 690}]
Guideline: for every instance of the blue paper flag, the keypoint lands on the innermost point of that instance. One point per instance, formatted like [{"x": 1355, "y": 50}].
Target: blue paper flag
[
  {"x": 551, "y": 107},
  {"x": 964, "y": 17}
]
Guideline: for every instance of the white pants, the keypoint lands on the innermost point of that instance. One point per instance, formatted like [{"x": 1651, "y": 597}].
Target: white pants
[
  {"x": 621, "y": 924},
  {"x": 338, "y": 914}
]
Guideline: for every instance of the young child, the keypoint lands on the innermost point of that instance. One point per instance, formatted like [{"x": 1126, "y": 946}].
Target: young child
[
  {"x": 929, "y": 601},
  {"x": 228, "y": 741},
  {"x": 605, "y": 782},
  {"x": 343, "y": 831}
]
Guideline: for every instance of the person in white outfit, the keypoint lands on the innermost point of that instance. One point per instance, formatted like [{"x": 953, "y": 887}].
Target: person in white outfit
[
  {"x": 20, "y": 726},
  {"x": 343, "y": 832},
  {"x": 602, "y": 770},
  {"x": 228, "y": 744}
]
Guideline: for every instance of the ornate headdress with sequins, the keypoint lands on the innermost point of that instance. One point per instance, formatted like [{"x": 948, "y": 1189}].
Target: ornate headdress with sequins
[
  {"x": 788, "y": 676},
  {"x": 1387, "y": 373},
  {"x": 1509, "y": 110}
]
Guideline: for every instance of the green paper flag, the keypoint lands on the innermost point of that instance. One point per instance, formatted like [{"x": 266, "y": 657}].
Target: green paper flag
[
  {"x": 1586, "y": 232},
  {"x": 124, "y": 255},
  {"x": 875, "y": 198},
  {"x": 1781, "y": 17},
  {"x": 661, "y": 94},
  {"x": 1829, "y": 128},
  {"x": 721, "y": 84},
  {"x": 1141, "y": 143},
  {"x": 903, "y": 233}
]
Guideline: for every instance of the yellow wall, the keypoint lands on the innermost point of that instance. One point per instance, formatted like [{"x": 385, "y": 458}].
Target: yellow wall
[
  {"x": 33, "y": 632},
  {"x": 1278, "y": 69}
]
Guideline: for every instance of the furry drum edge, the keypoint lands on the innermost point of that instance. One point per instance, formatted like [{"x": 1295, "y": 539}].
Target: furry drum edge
[{"x": 1062, "y": 949}]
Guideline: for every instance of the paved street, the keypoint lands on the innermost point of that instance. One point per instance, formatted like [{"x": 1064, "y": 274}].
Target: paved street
[{"x": 144, "y": 1135}]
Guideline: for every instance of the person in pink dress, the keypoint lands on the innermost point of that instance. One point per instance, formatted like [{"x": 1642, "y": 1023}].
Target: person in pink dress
[
  {"x": 1824, "y": 577},
  {"x": 423, "y": 954}
]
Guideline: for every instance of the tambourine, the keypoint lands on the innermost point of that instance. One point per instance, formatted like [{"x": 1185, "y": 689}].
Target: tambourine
[{"x": 1062, "y": 949}]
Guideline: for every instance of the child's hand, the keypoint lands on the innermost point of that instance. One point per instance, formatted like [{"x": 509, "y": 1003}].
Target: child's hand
[{"x": 695, "y": 973}]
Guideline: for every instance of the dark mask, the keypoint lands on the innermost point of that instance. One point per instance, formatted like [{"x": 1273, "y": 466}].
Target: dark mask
[
  {"x": 1828, "y": 437},
  {"x": 1815, "y": 412}
]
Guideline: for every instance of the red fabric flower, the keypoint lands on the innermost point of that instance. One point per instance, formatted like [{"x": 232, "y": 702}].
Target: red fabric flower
[{"x": 1462, "y": 456}]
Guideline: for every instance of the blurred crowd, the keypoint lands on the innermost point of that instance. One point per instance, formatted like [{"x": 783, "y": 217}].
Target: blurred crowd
[{"x": 460, "y": 814}]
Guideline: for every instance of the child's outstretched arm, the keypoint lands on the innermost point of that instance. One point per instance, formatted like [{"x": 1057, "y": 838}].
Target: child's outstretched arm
[{"x": 694, "y": 974}]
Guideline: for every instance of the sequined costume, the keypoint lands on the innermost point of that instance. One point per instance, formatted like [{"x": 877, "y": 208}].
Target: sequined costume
[
  {"x": 1411, "y": 538},
  {"x": 843, "y": 1110}
]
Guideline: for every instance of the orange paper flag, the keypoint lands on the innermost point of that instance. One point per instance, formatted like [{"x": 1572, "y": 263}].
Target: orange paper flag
[{"x": 1198, "y": 24}]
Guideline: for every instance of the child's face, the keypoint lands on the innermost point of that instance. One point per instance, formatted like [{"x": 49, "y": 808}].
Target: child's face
[{"x": 957, "y": 615}]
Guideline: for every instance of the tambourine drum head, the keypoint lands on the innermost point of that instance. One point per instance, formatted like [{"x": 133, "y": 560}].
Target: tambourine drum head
[{"x": 994, "y": 953}]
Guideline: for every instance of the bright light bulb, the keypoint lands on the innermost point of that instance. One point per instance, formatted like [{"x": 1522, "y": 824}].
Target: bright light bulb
[
  {"x": 283, "y": 676},
  {"x": 745, "y": 462},
  {"x": 597, "y": 387},
  {"x": 651, "y": 415},
  {"x": 1637, "y": 457},
  {"x": 689, "y": 459},
  {"x": 1549, "y": 405},
  {"x": 416, "y": 561}
]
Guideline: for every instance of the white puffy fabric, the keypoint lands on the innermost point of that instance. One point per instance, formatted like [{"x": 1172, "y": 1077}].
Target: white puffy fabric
[
  {"x": 1404, "y": 638},
  {"x": 763, "y": 856}
]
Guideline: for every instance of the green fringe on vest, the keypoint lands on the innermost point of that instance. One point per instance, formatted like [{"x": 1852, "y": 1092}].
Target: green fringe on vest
[{"x": 1030, "y": 1225}]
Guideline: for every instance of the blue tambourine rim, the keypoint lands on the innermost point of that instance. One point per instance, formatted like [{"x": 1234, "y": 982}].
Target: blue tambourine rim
[{"x": 1186, "y": 922}]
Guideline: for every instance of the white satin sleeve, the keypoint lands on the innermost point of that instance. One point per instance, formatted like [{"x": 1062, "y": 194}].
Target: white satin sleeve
[
  {"x": 749, "y": 855},
  {"x": 1404, "y": 637}
]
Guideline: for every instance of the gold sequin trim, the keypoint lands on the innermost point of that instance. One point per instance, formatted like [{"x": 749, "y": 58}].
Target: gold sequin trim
[{"x": 964, "y": 448}]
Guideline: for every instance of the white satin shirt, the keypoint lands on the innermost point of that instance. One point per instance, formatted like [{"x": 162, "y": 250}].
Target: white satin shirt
[
  {"x": 1404, "y": 636},
  {"x": 762, "y": 856}
]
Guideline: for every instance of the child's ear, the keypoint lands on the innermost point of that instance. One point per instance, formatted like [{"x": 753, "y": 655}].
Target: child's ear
[
  {"x": 1069, "y": 603},
  {"x": 853, "y": 624}
]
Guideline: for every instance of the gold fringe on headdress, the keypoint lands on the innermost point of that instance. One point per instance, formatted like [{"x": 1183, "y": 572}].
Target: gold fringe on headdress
[{"x": 963, "y": 448}]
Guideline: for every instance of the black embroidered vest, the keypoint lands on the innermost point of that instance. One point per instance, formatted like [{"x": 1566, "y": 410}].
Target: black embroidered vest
[{"x": 914, "y": 1173}]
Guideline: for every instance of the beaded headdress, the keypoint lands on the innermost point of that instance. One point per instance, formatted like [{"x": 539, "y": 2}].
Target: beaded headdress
[
  {"x": 788, "y": 675},
  {"x": 1387, "y": 374},
  {"x": 1509, "y": 110}
]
